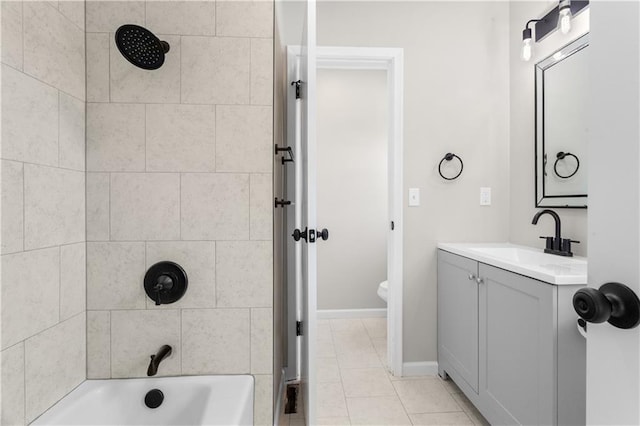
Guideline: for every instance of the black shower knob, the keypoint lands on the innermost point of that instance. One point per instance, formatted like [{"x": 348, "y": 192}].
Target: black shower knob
[
  {"x": 612, "y": 302},
  {"x": 165, "y": 282}
]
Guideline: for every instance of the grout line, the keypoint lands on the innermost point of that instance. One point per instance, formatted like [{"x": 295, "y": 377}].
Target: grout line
[
  {"x": 109, "y": 66},
  {"x": 48, "y": 328},
  {"x": 110, "y": 345},
  {"x": 24, "y": 374},
  {"x": 215, "y": 274},
  {"x": 44, "y": 165},
  {"x": 250, "y": 70},
  {"x": 47, "y": 84},
  {"x": 58, "y": 141},
  {"x": 24, "y": 207},
  {"x": 109, "y": 175},
  {"x": 86, "y": 216},
  {"x": 22, "y": 63},
  {"x": 183, "y": 307},
  {"x": 249, "y": 207},
  {"x": 172, "y": 103},
  {"x": 181, "y": 333},
  {"x": 344, "y": 394},
  {"x": 146, "y": 165},
  {"x": 155, "y": 241},
  {"x": 43, "y": 248},
  {"x": 215, "y": 139},
  {"x": 60, "y": 284}
]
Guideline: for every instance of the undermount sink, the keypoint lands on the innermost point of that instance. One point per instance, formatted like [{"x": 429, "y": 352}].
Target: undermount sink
[{"x": 527, "y": 261}]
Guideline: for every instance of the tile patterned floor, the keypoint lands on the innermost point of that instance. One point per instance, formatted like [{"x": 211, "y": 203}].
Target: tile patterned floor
[{"x": 354, "y": 387}]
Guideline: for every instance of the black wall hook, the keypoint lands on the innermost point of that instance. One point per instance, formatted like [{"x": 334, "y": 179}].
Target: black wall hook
[
  {"x": 561, "y": 156},
  {"x": 288, "y": 150},
  {"x": 297, "y": 84},
  {"x": 448, "y": 157}
]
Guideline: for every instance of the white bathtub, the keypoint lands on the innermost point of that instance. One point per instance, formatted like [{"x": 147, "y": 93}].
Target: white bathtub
[{"x": 189, "y": 400}]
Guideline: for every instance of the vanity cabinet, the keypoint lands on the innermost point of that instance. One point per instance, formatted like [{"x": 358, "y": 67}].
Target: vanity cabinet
[
  {"x": 458, "y": 326},
  {"x": 510, "y": 343}
]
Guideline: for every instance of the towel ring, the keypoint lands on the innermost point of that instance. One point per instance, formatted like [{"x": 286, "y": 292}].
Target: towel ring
[
  {"x": 448, "y": 157},
  {"x": 561, "y": 156}
]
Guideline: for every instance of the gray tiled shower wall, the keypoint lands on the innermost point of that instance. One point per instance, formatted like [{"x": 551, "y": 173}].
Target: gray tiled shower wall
[
  {"x": 43, "y": 206},
  {"x": 178, "y": 167}
]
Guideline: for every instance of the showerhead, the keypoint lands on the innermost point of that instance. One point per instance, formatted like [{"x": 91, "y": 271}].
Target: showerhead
[{"x": 141, "y": 47}]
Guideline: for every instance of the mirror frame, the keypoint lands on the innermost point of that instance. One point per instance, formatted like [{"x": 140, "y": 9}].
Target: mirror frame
[{"x": 578, "y": 201}]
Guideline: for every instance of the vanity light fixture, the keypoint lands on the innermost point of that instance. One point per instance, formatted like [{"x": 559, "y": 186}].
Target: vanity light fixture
[{"x": 559, "y": 17}]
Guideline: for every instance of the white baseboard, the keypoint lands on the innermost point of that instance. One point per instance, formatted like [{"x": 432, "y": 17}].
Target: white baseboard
[
  {"x": 351, "y": 313},
  {"x": 422, "y": 368},
  {"x": 279, "y": 400}
]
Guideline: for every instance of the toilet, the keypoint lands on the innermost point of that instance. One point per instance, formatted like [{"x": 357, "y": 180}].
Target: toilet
[{"x": 382, "y": 290}]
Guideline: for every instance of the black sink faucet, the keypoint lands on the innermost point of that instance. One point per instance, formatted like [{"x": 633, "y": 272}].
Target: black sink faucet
[
  {"x": 156, "y": 359},
  {"x": 555, "y": 245}
]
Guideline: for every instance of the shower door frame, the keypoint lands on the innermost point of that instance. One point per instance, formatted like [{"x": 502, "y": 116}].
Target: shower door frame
[{"x": 390, "y": 60}]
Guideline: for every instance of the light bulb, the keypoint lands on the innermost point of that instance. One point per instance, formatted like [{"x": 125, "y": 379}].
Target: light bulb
[
  {"x": 565, "y": 20},
  {"x": 526, "y": 49},
  {"x": 565, "y": 16}
]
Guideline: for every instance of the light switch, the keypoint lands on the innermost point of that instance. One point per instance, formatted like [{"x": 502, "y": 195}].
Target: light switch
[
  {"x": 414, "y": 197},
  {"x": 485, "y": 196}
]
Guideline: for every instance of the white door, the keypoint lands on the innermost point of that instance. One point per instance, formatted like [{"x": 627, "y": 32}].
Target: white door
[
  {"x": 613, "y": 355},
  {"x": 307, "y": 107}
]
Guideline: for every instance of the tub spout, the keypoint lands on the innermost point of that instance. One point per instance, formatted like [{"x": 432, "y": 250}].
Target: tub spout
[{"x": 156, "y": 359}]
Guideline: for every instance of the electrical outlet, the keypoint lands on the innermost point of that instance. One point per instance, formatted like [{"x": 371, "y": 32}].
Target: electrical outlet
[
  {"x": 485, "y": 196},
  {"x": 414, "y": 197}
]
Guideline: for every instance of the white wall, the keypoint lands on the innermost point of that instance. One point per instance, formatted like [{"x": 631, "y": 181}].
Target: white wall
[
  {"x": 456, "y": 99},
  {"x": 352, "y": 186},
  {"x": 522, "y": 131}
]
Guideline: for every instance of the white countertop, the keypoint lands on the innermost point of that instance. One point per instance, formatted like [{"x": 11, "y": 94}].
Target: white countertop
[{"x": 527, "y": 261}]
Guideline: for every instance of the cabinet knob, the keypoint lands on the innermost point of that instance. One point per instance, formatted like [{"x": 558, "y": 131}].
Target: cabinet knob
[
  {"x": 472, "y": 277},
  {"x": 480, "y": 280}
]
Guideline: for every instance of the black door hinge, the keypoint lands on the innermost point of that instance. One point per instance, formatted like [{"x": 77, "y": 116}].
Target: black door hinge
[
  {"x": 298, "y": 328},
  {"x": 393, "y": 226},
  {"x": 281, "y": 203},
  {"x": 297, "y": 83},
  {"x": 291, "y": 405}
]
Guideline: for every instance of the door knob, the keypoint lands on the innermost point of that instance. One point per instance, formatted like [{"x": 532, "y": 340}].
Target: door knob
[
  {"x": 612, "y": 302},
  {"x": 297, "y": 234},
  {"x": 323, "y": 235}
]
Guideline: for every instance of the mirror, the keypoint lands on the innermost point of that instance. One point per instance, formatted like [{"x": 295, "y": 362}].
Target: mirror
[{"x": 562, "y": 127}]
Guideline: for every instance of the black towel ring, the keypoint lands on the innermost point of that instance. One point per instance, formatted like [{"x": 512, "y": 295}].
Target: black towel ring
[
  {"x": 448, "y": 157},
  {"x": 561, "y": 156}
]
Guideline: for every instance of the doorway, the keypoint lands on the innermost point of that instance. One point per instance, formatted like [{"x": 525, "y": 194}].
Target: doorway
[{"x": 359, "y": 187}]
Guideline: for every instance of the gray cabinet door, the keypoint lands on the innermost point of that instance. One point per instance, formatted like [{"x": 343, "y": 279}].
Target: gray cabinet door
[
  {"x": 458, "y": 316},
  {"x": 517, "y": 348}
]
